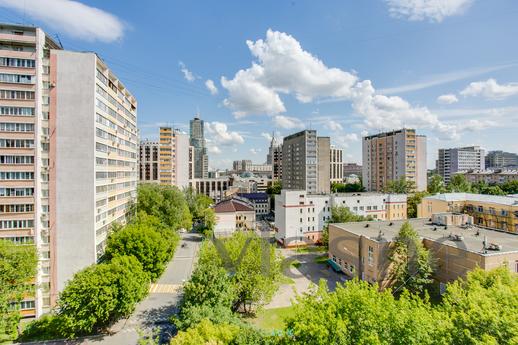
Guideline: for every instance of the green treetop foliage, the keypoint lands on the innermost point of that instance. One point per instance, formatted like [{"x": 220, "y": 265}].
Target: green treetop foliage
[
  {"x": 209, "y": 294},
  {"x": 483, "y": 188},
  {"x": 201, "y": 209},
  {"x": 206, "y": 332},
  {"x": 400, "y": 186},
  {"x": 484, "y": 307},
  {"x": 510, "y": 187},
  {"x": 143, "y": 242},
  {"x": 413, "y": 200},
  {"x": 459, "y": 184},
  {"x": 347, "y": 187},
  {"x": 253, "y": 265},
  {"x": 358, "y": 313},
  {"x": 18, "y": 265},
  {"x": 165, "y": 202},
  {"x": 274, "y": 188},
  {"x": 99, "y": 295},
  {"x": 412, "y": 263},
  {"x": 436, "y": 184}
]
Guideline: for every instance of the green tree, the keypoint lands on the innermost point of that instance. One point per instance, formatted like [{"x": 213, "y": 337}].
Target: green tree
[
  {"x": 207, "y": 333},
  {"x": 147, "y": 245},
  {"x": 340, "y": 214},
  {"x": 100, "y": 295},
  {"x": 358, "y": 313},
  {"x": 483, "y": 307},
  {"x": 459, "y": 184},
  {"x": 346, "y": 187},
  {"x": 253, "y": 265},
  {"x": 413, "y": 201},
  {"x": 165, "y": 202},
  {"x": 18, "y": 265},
  {"x": 400, "y": 186},
  {"x": 436, "y": 184},
  {"x": 209, "y": 294},
  {"x": 411, "y": 262},
  {"x": 274, "y": 188},
  {"x": 510, "y": 187}
]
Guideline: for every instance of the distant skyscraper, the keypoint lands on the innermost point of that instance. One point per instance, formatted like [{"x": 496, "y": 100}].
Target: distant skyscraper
[
  {"x": 457, "y": 159},
  {"x": 392, "y": 155},
  {"x": 305, "y": 162},
  {"x": 197, "y": 141},
  {"x": 149, "y": 161},
  {"x": 274, "y": 158},
  {"x": 337, "y": 165},
  {"x": 501, "y": 159}
]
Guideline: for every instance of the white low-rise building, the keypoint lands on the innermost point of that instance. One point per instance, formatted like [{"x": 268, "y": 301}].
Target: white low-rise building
[
  {"x": 233, "y": 214},
  {"x": 301, "y": 217}
]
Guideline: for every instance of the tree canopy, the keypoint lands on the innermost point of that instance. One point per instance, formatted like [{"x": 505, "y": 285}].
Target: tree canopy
[
  {"x": 400, "y": 186},
  {"x": 347, "y": 187},
  {"x": 18, "y": 265},
  {"x": 411, "y": 262}
]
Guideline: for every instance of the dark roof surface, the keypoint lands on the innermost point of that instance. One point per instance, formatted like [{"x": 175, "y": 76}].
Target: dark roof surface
[{"x": 232, "y": 205}]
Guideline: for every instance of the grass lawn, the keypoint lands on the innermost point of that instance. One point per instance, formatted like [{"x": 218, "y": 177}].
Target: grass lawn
[
  {"x": 312, "y": 249},
  {"x": 272, "y": 319}
]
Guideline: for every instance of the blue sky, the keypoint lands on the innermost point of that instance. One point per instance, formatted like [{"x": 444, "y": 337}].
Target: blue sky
[{"x": 346, "y": 68}]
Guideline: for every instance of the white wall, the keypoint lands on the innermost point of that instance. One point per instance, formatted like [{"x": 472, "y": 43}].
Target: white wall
[{"x": 225, "y": 223}]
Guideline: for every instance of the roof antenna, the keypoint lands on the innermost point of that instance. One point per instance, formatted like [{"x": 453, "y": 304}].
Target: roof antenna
[{"x": 59, "y": 41}]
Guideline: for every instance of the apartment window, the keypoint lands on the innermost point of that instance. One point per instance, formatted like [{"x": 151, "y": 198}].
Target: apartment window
[
  {"x": 370, "y": 258},
  {"x": 16, "y": 127},
  {"x": 16, "y": 78},
  {"x": 17, "y": 111},
  {"x": 26, "y": 305},
  {"x": 16, "y": 191},
  {"x": 16, "y": 175},
  {"x": 16, "y": 208},
  {"x": 17, "y": 143},
  {"x": 300, "y": 210},
  {"x": 301, "y": 220},
  {"x": 16, "y": 224},
  {"x": 8, "y": 159},
  {"x": 15, "y": 94},
  {"x": 505, "y": 213}
]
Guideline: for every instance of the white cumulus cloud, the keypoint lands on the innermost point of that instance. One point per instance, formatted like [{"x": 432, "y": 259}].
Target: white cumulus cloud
[
  {"x": 287, "y": 122},
  {"x": 220, "y": 134},
  {"x": 490, "y": 89},
  {"x": 333, "y": 125},
  {"x": 188, "y": 75},
  {"x": 214, "y": 149},
  {"x": 432, "y": 10},
  {"x": 209, "y": 84},
  {"x": 72, "y": 18},
  {"x": 283, "y": 67},
  {"x": 447, "y": 99},
  {"x": 267, "y": 136},
  {"x": 255, "y": 151}
]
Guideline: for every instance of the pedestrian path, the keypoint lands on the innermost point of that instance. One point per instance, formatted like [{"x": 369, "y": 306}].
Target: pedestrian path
[{"x": 164, "y": 288}]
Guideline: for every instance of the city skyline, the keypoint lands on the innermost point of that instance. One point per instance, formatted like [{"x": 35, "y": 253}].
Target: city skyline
[{"x": 445, "y": 72}]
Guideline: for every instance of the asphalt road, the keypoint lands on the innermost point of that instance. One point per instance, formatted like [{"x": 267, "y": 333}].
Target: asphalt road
[{"x": 152, "y": 314}]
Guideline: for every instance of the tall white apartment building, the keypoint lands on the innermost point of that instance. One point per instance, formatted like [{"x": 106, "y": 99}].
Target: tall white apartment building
[
  {"x": 93, "y": 159},
  {"x": 392, "y": 155},
  {"x": 458, "y": 159},
  {"x": 68, "y": 154},
  {"x": 300, "y": 217},
  {"x": 336, "y": 168}
]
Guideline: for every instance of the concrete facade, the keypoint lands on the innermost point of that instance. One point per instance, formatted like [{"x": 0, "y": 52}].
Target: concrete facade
[
  {"x": 93, "y": 172},
  {"x": 305, "y": 162},
  {"x": 451, "y": 161},
  {"x": 392, "y": 155},
  {"x": 149, "y": 161},
  {"x": 501, "y": 159},
  {"x": 336, "y": 168},
  {"x": 363, "y": 249},
  {"x": 300, "y": 217},
  {"x": 197, "y": 141},
  {"x": 495, "y": 176},
  {"x": 489, "y": 211}
]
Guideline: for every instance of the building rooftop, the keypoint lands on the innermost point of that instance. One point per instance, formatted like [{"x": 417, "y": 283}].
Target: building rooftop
[
  {"x": 472, "y": 237},
  {"x": 495, "y": 199},
  {"x": 499, "y": 171},
  {"x": 254, "y": 196},
  {"x": 232, "y": 205}
]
